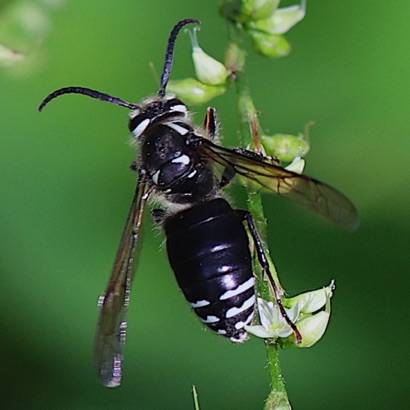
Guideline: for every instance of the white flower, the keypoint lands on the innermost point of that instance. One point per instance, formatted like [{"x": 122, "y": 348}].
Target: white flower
[
  {"x": 273, "y": 324},
  {"x": 304, "y": 311}
]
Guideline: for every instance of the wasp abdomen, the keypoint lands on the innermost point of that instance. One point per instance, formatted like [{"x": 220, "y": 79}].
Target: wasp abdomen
[{"x": 208, "y": 250}]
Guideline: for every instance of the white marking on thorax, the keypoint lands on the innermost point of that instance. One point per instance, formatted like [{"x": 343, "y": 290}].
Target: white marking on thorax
[
  {"x": 240, "y": 289},
  {"x": 179, "y": 108},
  {"x": 176, "y": 127},
  {"x": 183, "y": 159},
  {"x": 155, "y": 177},
  {"x": 192, "y": 173}
]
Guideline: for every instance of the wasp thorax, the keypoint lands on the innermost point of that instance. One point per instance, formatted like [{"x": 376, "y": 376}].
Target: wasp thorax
[{"x": 172, "y": 162}]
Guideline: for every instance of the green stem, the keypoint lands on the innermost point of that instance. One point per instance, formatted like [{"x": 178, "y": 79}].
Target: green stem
[
  {"x": 235, "y": 61},
  {"x": 278, "y": 397}
]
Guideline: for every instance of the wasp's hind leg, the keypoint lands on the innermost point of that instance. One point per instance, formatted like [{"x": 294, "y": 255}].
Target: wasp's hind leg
[{"x": 263, "y": 260}]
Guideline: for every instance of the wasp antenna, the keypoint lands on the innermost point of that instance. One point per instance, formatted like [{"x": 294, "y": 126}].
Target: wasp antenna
[
  {"x": 169, "y": 56},
  {"x": 90, "y": 93}
]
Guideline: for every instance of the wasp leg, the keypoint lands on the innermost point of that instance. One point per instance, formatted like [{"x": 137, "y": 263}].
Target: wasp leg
[
  {"x": 211, "y": 125},
  {"x": 263, "y": 260},
  {"x": 226, "y": 178}
]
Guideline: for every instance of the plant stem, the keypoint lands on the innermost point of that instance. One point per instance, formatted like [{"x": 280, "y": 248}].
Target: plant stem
[
  {"x": 278, "y": 397},
  {"x": 249, "y": 126}
]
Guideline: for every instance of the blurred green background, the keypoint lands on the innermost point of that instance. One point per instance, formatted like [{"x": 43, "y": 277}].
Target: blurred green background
[{"x": 66, "y": 188}]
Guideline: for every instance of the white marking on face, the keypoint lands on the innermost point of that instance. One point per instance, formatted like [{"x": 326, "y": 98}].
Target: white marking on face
[
  {"x": 236, "y": 310},
  {"x": 155, "y": 177},
  {"x": 183, "y": 159},
  {"x": 200, "y": 303},
  {"x": 140, "y": 128},
  {"x": 192, "y": 173},
  {"x": 178, "y": 128},
  {"x": 221, "y": 332},
  {"x": 167, "y": 191},
  {"x": 241, "y": 288},
  {"x": 211, "y": 319}
]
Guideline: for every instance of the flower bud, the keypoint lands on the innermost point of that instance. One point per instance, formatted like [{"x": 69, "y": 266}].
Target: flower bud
[
  {"x": 269, "y": 45},
  {"x": 234, "y": 58},
  {"x": 285, "y": 18},
  {"x": 286, "y": 147},
  {"x": 281, "y": 21},
  {"x": 313, "y": 328},
  {"x": 9, "y": 57},
  {"x": 194, "y": 92},
  {"x": 247, "y": 10},
  {"x": 24, "y": 25},
  {"x": 208, "y": 70},
  {"x": 259, "y": 9},
  {"x": 231, "y": 10},
  {"x": 314, "y": 300},
  {"x": 297, "y": 165}
]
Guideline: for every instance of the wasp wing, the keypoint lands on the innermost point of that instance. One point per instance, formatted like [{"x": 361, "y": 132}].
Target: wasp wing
[
  {"x": 310, "y": 193},
  {"x": 112, "y": 324}
]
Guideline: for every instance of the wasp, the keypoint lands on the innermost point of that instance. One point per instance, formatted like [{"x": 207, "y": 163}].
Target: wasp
[{"x": 207, "y": 243}]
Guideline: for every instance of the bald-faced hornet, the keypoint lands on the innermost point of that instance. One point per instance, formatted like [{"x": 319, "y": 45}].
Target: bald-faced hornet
[{"x": 207, "y": 243}]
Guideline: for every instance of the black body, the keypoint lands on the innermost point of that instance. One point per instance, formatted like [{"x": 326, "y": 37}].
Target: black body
[
  {"x": 208, "y": 250},
  {"x": 207, "y": 244}
]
